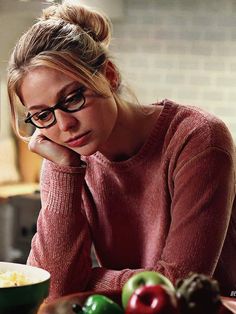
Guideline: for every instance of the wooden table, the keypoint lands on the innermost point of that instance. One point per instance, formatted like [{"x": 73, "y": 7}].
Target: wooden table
[{"x": 64, "y": 305}]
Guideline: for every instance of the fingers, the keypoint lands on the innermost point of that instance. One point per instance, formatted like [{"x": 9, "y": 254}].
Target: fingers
[
  {"x": 52, "y": 151},
  {"x": 37, "y": 142}
]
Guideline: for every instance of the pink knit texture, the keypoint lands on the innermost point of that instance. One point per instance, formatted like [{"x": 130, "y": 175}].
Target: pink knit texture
[{"x": 168, "y": 208}]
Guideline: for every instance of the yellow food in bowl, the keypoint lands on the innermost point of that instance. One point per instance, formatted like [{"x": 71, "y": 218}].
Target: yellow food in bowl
[
  {"x": 23, "y": 288},
  {"x": 13, "y": 278}
]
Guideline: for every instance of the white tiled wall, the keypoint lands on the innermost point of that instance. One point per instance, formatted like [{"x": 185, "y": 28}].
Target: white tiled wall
[{"x": 184, "y": 50}]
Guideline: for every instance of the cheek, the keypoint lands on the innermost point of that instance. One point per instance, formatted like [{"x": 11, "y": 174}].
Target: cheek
[
  {"x": 52, "y": 134},
  {"x": 110, "y": 115},
  {"x": 106, "y": 115}
]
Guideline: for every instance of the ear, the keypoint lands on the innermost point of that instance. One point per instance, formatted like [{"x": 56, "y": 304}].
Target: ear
[{"x": 112, "y": 75}]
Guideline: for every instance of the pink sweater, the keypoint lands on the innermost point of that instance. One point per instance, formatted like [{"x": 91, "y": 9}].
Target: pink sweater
[{"x": 168, "y": 208}]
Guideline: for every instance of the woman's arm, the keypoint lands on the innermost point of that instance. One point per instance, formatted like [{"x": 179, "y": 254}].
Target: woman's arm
[{"x": 62, "y": 243}]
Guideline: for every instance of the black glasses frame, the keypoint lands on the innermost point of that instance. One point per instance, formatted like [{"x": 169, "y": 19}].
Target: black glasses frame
[{"x": 59, "y": 105}]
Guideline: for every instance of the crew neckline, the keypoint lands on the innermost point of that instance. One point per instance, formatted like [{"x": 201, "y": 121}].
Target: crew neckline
[{"x": 154, "y": 136}]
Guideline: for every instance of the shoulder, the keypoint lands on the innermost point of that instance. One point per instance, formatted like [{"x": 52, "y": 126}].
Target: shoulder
[{"x": 190, "y": 125}]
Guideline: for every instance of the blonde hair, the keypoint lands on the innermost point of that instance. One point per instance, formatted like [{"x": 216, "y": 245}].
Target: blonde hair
[{"x": 68, "y": 37}]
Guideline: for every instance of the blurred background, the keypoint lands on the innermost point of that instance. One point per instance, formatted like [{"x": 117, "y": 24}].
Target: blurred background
[{"x": 183, "y": 50}]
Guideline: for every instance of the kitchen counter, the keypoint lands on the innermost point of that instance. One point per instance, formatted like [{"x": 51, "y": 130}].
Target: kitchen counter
[{"x": 64, "y": 305}]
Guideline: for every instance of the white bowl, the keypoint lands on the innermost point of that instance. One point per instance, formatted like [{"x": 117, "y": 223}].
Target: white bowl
[{"x": 24, "y": 299}]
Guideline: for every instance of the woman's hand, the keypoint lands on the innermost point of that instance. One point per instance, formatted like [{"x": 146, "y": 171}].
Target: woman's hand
[{"x": 58, "y": 154}]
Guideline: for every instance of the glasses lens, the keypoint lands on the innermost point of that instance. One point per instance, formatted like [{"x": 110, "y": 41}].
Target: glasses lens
[
  {"x": 74, "y": 103},
  {"x": 43, "y": 119},
  {"x": 46, "y": 118}
]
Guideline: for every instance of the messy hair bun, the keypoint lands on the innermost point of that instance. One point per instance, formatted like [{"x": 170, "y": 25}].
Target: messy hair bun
[{"x": 96, "y": 24}]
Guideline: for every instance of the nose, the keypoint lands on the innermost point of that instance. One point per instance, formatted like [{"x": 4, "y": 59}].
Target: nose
[{"x": 65, "y": 120}]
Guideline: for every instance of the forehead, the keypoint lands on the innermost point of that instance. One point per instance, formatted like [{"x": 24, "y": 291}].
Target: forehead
[
  {"x": 42, "y": 76},
  {"x": 41, "y": 85}
]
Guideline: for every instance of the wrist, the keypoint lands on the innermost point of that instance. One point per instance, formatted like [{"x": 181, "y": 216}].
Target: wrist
[{"x": 73, "y": 161}]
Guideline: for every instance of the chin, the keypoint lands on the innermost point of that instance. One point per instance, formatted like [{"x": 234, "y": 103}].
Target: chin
[{"x": 85, "y": 150}]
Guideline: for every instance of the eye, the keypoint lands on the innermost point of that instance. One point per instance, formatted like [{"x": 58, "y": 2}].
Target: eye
[
  {"x": 74, "y": 98},
  {"x": 43, "y": 115},
  {"x": 75, "y": 101}
]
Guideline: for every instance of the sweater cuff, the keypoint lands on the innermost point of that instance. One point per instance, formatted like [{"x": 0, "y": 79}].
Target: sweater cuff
[{"x": 65, "y": 187}]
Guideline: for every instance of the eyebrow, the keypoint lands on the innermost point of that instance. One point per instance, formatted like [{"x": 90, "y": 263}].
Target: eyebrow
[{"x": 59, "y": 94}]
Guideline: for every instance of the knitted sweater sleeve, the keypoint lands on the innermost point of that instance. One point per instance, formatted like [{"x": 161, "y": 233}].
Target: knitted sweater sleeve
[
  {"x": 62, "y": 243},
  {"x": 202, "y": 196}
]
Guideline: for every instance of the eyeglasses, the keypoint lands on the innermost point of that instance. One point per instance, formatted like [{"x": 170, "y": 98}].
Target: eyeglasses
[{"x": 46, "y": 118}]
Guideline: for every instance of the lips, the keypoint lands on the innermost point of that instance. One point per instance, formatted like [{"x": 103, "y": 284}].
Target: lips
[{"x": 78, "y": 140}]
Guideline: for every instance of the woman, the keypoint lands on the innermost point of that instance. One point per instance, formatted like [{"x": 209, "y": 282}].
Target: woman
[{"x": 150, "y": 187}]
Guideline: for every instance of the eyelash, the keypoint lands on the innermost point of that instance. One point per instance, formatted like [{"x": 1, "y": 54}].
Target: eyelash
[{"x": 79, "y": 91}]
